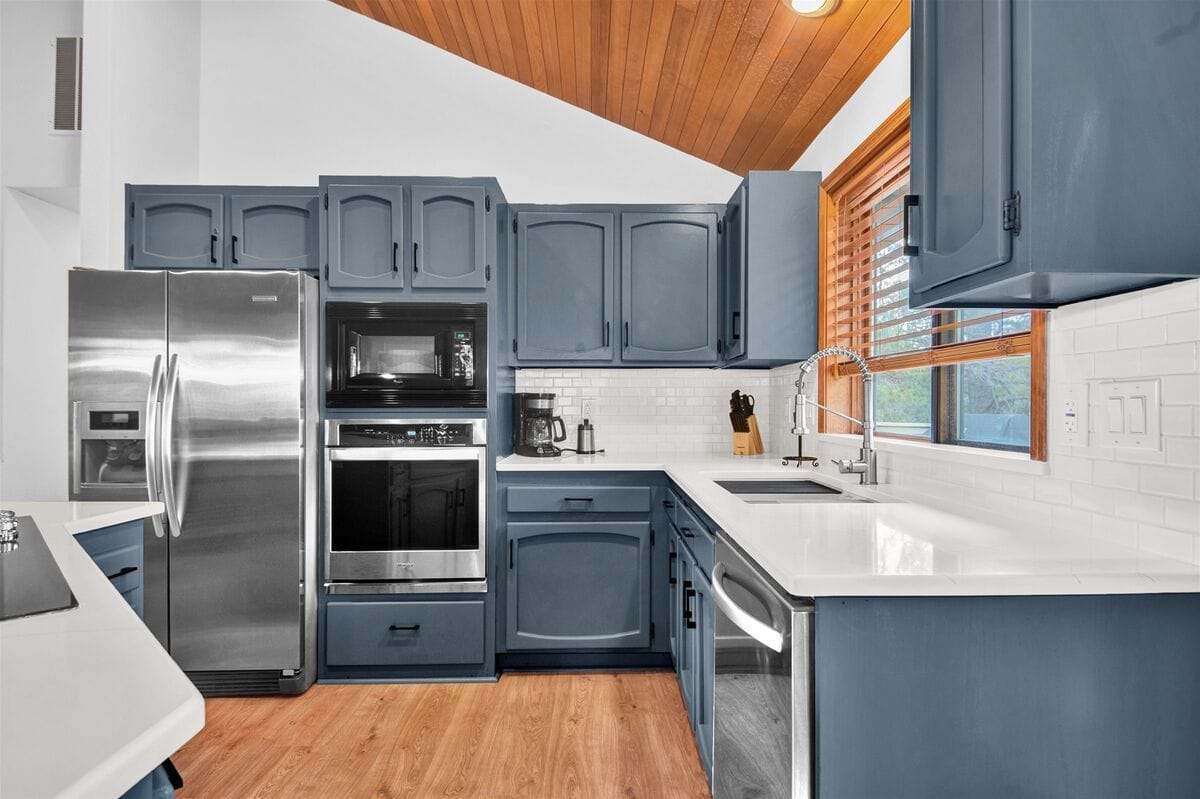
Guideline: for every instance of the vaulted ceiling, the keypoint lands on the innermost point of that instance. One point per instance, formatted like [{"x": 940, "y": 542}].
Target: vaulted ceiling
[{"x": 743, "y": 84}]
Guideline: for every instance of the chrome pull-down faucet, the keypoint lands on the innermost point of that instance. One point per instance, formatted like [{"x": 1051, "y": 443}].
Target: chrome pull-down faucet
[{"x": 865, "y": 465}]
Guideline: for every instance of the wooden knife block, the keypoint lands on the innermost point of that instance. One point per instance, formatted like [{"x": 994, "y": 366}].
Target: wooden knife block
[{"x": 748, "y": 443}]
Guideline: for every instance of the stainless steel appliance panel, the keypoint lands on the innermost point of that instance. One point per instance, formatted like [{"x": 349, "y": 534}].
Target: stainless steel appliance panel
[
  {"x": 116, "y": 340},
  {"x": 233, "y": 466},
  {"x": 762, "y": 694}
]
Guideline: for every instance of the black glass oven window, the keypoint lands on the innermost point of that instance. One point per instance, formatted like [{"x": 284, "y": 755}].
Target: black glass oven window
[{"x": 405, "y": 505}]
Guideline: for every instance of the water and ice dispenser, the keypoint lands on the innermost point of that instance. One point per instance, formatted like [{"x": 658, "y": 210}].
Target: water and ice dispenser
[{"x": 108, "y": 447}]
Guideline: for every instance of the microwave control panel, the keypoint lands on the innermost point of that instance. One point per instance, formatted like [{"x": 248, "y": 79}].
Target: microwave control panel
[
  {"x": 463, "y": 364},
  {"x": 400, "y": 434}
]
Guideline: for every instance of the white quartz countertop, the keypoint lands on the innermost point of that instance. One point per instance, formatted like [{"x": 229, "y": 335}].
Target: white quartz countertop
[
  {"x": 89, "y": 701},
  {"x": 893, "y": 546}
]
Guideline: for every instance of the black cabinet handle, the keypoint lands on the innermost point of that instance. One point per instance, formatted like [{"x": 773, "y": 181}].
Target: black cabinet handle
[
  {"x": 578, "y": 499},
  {"x": 626, "y": 340},
  {"x": 687, "y": 532},
  {"x": 212, "y": 248},
  {"x": 233, "y": 248},
  {"x": 415, "y": 268},
  {"x": 395, "y": 256},
  {"x": 735, "y": 327},
  {"x": 668, "y": 504},
  {"x": 720, "y": 345},
  {"x": 607, "y": 330},
  {"x": 688, "y": 593},
  {"x": 462, "y": 497},
  {"x": 671, "y": 567},
  {"x": 404, "y": 627},
  {"x": 510, "y": 554},
  {"x": 122, "y": 572},
  {"x": 910, "y": 201}
]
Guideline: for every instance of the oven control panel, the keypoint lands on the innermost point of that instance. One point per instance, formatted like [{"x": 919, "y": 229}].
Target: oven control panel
[{"x": 449, "y": 433}]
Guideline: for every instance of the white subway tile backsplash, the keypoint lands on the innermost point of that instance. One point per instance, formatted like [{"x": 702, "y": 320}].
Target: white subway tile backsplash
[
  {"x": 1142, "y": 332},
  {"x": 1104, "y": 337},
  {"x": 1170, "y": 359},
  {"x": 1168, "y": 481},
  {"x": 1170, "y": 543}
]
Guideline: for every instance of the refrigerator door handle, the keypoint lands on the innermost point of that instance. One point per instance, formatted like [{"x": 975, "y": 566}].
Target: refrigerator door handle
[
  {"x": 168, "y": 446},
  {"x": 153, "y": 400}
]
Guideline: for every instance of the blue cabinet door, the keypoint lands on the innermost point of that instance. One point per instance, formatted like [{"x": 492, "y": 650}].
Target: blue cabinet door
[
  {"x": 175, "y": 229},
  {"x": 566, "y": 286},
  {"x": 118, "y": 552},
  {"x": 685, "y": 668},
  {"x": 273, "y": 231},
  {"x": 734, "y": 266},
  {"x": 675, "y": 622},
  {"x": 961, "y": 157},
  {"x": 449, "y": 236},
  {"x": 365, "y": 233},
  {"x": 578, "y": 585},
  {"x": 669, "y": 287}
]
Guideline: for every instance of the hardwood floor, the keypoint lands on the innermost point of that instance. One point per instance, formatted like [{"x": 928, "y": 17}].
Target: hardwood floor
[{"x": 529, "y": 735}]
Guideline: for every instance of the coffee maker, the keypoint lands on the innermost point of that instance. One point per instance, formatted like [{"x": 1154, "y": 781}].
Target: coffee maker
[{"x": 535, "y": 427}]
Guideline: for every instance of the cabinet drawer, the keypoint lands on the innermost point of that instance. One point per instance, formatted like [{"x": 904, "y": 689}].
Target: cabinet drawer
[
  {"x": 696, "y": 535},
  {"x": 403, "y": 633},
  {"x": 578, "y": 499}
]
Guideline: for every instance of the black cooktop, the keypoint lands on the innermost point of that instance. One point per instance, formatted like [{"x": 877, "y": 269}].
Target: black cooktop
[{"x": 30, "y": 580}]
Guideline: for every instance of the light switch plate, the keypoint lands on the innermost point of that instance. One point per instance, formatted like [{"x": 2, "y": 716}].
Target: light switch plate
[
  {"x": 1129, "y": 414},
  {"x": 1072, "y": 416}
]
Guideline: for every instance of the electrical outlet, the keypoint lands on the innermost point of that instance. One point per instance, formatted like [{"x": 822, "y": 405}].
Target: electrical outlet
[
  {"x": 1073, "y": 415},
  {"x": 588, "y": 407}
]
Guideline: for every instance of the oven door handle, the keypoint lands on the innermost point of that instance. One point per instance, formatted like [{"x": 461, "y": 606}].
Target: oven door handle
[{"x": 765, "y": 634}]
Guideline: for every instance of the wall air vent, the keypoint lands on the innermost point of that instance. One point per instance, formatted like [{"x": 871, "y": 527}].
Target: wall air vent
[{"x": 68, "y": 84}]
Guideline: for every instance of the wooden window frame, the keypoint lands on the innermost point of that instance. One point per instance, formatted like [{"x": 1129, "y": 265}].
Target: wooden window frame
[{"x": 838, "y": 387}]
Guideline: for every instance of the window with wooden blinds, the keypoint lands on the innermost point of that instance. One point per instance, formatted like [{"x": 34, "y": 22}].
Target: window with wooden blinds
[{"x": 864, "y": 303}]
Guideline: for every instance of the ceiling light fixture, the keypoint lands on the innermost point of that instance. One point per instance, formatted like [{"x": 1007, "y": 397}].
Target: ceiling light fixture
[{"x": 813, "y": 8}]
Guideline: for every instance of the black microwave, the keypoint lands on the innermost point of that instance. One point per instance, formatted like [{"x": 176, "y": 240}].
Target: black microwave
[{"x": 406, "y": 354}]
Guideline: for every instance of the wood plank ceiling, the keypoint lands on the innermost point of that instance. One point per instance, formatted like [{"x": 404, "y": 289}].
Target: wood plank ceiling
[{"x": 743, "y": 84}]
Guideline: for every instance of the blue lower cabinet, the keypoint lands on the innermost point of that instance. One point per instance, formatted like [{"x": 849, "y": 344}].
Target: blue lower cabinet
[
  {"x": 117, "y": 551},
  {"x": 401, "y": 633},
  {"x": 578, "y": 585},
  {"x": 703, "y": 651},
  {"x": 685, "y": 668}
]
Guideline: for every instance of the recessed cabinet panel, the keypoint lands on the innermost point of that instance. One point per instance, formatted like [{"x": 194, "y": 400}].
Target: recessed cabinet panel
[
  {"x": 734, "y": 319},
  {"x": 273, "y": 231},
  {"x": 566, "y": 278},
  {"x": 669, "y": 293},
  {"x": 365, "y": 236},
  {"x": 175, "y": 230},
  {"x": 578, "y": 585},
  {"x": 449, "y": 231},
  {"x": 961, "y": 160}
]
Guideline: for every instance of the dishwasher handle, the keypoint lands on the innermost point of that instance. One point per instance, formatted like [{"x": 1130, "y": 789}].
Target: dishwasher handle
[{"x": 765, "y": 634}]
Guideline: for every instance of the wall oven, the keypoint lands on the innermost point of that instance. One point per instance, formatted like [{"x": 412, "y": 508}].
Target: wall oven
[
  {"x": 405, "y": 505},
  {"x": 406, "y": 354}
]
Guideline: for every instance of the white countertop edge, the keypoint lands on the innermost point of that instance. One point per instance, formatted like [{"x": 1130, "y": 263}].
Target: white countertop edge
[
  {"x": 103, "y": 612},
  {"x": 155, "y": 745}
]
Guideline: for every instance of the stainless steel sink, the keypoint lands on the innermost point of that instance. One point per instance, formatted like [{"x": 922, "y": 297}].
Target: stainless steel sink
[{"x": 775, "y": 492}]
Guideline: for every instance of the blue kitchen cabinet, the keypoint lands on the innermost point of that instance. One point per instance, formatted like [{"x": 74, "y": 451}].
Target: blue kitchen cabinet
[
  {"x": 174, "y": 227},
  {"x": 670, "y": 291},
  {"x": 118, "y": 553},
  {"x": 1054, "y": 151},
  {"x": 449, "y": 236},
  {"x": 702, "y": 630},
  {"x": 273, "y": 229},
  {"x": 578, "y": 585},
  {"x": 674, "y": 548},
  {"x": 365, "y": 235},
  {"x": 770, "y": 252},
  {"x": 685, "y": 665},
  {"x": 565, "y": 286}
]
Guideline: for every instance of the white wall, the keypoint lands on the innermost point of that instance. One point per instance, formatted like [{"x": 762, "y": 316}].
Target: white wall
[
  {"x": 880, "y": 94},
  {"x": 140, "y": 111},
  {"x": 295, "y": 89}
]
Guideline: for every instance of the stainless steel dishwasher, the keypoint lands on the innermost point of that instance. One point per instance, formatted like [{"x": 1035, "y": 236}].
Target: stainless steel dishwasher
[{"x": 763, "y": 689}]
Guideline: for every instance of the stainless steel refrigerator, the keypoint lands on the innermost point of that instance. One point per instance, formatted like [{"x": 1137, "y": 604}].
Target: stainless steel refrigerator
[{"x": 199, "y": 390}]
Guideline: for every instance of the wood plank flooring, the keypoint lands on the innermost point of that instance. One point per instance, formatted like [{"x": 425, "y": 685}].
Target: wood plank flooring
[{"x": 556, "y": 736}]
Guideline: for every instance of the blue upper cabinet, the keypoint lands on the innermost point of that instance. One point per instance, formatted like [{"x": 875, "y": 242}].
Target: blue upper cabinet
[
  {"x": 565, "y": 286},
  {"x": 174, "y": 227},
  {"x": 449, "y": 237},
  {"x": 669, "y": 287},
  {"x": 365, "y": 236},
  {"x": 273, "y": 229},
  {"x": 1054, "y": 150},
  {"x": 770, "y": 245}
]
